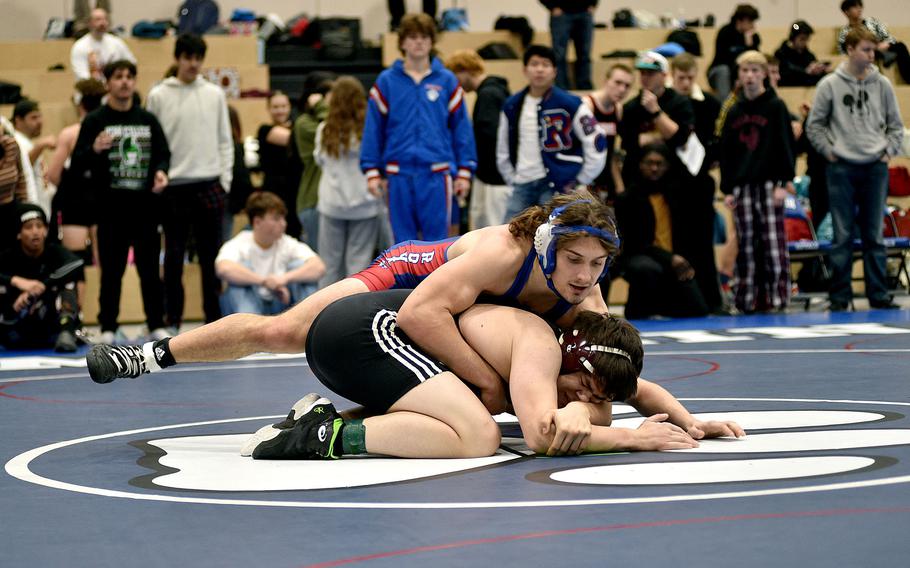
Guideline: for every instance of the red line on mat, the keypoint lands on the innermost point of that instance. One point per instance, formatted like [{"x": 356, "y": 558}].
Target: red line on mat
[{"x": 616, "y": 527}]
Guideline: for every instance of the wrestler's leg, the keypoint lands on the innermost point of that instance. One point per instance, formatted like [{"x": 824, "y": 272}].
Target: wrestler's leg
[
  {"x": 439, "y": 418},
  {"x": 239, "y": 335}
]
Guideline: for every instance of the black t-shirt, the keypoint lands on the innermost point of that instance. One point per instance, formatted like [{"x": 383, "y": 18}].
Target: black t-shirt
[
  {"x": 275, "y": 162},
  {"x": 636, "y": 120},
  {"x": 139, "y": 150}
]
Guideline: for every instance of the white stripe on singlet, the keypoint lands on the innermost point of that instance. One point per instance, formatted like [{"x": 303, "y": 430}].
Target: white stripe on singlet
[{"x": 384, "y": 324}]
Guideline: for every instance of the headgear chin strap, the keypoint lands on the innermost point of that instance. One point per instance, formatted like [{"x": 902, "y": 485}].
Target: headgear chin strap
[
  {"x": 576, "y": 350},
  {"x": 547, "y": 236}
]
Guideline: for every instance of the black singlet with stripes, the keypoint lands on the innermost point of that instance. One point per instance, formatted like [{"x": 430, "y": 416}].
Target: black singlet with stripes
[{"x": 356, "y": 349}]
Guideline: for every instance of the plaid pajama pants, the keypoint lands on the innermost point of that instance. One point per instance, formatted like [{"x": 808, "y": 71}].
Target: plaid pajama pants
[{"x": 763, "y": 262}]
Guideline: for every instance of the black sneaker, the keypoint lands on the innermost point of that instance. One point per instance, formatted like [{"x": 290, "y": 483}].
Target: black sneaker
[
  {"x": 836, "y": 306},
  {"x": 109, "y": 362},
  {"x": 312, "y": 435},
  {"x": 884, "y": 305},
  {"x": 66, "y": 342}
]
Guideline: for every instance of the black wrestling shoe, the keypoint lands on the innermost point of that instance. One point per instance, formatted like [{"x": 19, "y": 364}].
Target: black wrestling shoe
[
  {"x": 314, "y": 427},
  {"x": 107, "y": 362}
]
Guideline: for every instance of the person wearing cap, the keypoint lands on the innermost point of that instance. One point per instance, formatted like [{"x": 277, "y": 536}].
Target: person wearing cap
[
  {"x": 38, "y": 301},
  {"x": 736, "y": 37},
  {"x": 657, "y": 114},
  {"x": 798, "y": 65},
  {"x": 548, "y": 140}
]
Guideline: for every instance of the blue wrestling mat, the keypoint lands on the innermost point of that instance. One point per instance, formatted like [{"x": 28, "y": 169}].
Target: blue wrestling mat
[{"x": 148, "y": 473}]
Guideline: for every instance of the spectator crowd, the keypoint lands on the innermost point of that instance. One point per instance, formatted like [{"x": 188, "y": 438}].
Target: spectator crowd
[{"x": 350, "y": 171}]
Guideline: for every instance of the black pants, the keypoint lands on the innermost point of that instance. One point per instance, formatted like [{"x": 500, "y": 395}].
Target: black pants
[
  {"x": 196, "y": 208},
  {"x": 131, "y": 220},
  {"x": 38, "y": 326},
  {"x": 654, "y": 290},
  {"x": 903, "y": 60},
  {"x": 695, "y": 240}
]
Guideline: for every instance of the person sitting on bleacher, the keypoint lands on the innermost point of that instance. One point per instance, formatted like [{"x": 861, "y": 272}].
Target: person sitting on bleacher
[
  {"x": 38, "y": 302},
  {"x": 798, "y": 65},
  {"x": 733, "y": 39},
  {"x": 856, "y": 124},
  {"x": 266, "y": 271},
  {"x": 887, "y": 46},
  {"x": 97, "y": 48}
]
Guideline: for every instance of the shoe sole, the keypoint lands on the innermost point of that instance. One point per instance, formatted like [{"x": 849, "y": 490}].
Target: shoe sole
[
  {"x": 98, "y": 362},
  {"x": 271, "y": 431}
]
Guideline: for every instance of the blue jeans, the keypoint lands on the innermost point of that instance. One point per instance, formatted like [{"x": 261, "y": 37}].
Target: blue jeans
[
  {"x": 857, "y": 195},
  {"x": 246, "y": 299},
  {"x": 580, "y": 28},
  {"x": 525, "y": 195},
  {"x": 309, "y": 221}
]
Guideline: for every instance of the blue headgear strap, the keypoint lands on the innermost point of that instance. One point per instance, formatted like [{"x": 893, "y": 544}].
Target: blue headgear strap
[{"x": 547, "y": 236}]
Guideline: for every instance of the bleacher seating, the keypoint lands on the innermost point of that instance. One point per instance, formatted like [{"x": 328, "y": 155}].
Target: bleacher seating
[{"x": 27, "y": 63}]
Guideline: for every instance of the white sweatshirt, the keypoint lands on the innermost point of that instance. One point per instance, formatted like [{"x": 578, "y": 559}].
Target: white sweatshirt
[{"x": 195, "y": 121}]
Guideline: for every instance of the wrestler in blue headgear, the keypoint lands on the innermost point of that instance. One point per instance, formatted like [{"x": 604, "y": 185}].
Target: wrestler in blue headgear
[{"x": 547, "y": 236}]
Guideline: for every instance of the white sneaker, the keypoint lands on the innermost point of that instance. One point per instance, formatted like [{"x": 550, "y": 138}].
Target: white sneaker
[
  {"x": 114, "y": 337},
  {"x": 159, "y": 334}
]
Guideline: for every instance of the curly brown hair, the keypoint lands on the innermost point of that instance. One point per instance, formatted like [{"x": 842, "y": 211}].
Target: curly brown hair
[
  {"x": 347, "y": 112},
  {"x": 618, "y": 375},
  {"x": 583, "y": 209}
]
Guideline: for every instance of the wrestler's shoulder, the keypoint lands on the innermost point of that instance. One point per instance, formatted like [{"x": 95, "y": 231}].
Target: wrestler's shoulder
[{"x": 496, "y": 240}]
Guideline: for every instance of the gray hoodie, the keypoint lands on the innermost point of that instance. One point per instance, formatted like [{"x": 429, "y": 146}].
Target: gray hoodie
[{"x": 857, "y": 121}]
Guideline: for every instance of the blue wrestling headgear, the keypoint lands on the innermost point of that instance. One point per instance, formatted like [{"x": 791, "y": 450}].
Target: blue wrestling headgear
[{"x": 547, "y": 236}]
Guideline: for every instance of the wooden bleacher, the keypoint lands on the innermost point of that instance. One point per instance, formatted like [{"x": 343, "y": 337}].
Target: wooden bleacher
[{"x": 26, "y": 63}]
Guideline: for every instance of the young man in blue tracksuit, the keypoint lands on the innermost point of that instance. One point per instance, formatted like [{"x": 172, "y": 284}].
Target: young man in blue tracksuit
[
  {"x": 417, "y": 134},
  {"x": 548, "y": 140}
]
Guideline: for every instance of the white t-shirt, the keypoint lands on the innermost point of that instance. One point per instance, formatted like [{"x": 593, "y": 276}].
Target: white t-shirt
[
  {"x": 276, "y": 259},
  {"x": 89, "y": 56},
  {"x": 39, "y": 192},
  {"x": 529, "y": 165}
]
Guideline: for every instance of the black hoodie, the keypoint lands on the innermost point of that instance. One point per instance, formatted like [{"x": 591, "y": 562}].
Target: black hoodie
[
  {"x": 757, "y": 143},
  {"x": 491, "y": 94}
]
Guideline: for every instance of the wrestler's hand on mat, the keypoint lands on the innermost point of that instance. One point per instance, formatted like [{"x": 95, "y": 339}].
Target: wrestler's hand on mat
[
  {"x": 655, "y": 433},
  {"x": 572, "y": 424},
  {"x": 716, "y": 429}
]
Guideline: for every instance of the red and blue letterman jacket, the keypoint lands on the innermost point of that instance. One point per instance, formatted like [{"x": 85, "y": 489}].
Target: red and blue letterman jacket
[
  {"x": 417, "y": 127},
  {"x": 573, "y": 146}
]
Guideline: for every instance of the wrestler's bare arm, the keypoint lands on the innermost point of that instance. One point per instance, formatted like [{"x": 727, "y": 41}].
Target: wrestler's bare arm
[
  {"x": 652, "y": 399},
  {"x": 428, "y": 315},
  {"x": 521, "y": 346}
]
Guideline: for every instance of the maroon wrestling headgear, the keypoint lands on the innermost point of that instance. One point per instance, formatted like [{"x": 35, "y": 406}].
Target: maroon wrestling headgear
[{"x": 576, "y": 350}]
